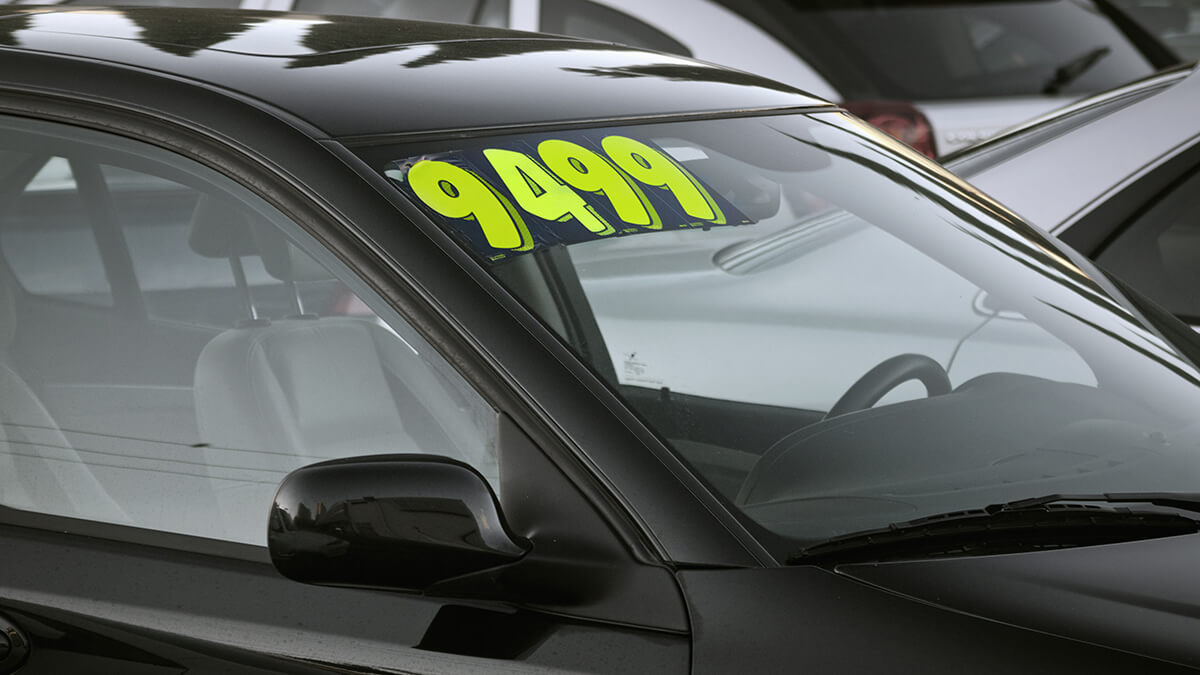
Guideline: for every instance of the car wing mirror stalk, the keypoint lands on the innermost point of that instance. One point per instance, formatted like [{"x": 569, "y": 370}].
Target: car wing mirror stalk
[{"x": 397, "y": 522}]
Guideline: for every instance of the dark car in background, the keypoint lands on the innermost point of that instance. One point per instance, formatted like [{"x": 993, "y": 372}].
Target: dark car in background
[
  {"x": 1175, "y": 22},
  {"x": 670, "y": 369}
]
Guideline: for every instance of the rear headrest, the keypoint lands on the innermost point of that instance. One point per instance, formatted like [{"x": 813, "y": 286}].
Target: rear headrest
[
  {"x": 282, "y": 259},
  {"x": 220, "y": 230}
]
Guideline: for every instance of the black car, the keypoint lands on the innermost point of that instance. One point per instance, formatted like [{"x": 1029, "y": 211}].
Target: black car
[{"x": 352, "y": 345}]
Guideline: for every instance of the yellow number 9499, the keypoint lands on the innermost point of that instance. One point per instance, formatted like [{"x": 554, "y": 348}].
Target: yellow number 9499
[{"x": 455, "y": 192}]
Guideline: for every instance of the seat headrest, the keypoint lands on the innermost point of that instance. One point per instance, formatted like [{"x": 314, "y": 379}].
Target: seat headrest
[
  {"x": 220, "y": 230},
  {"x": 283, "y": 259}
]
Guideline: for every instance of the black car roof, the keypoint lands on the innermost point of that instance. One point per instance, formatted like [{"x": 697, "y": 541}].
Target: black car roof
[{"x": 355, "y": 76}]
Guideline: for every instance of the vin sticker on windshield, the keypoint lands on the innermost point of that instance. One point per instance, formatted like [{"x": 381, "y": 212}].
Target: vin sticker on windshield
[{"x": 516, "y": 196}]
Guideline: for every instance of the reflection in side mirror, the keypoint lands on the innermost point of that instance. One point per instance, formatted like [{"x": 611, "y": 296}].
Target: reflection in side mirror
[{"x": 403, "y": 522}]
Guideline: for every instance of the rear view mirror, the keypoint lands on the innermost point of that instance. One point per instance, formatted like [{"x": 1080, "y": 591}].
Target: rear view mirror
[{"x": 402, "y": 522}]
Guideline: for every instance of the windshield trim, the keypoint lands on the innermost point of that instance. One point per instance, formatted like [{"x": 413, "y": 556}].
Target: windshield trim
[{"x": 584, "y": 123}]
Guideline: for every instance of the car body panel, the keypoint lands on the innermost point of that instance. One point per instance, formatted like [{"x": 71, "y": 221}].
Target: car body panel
[
  {"x": 1083, "y": 172},
  {"x": 72, "y": 642},
  {"x": 911, "y": 633},
  {"x": 242, "y": 605},
  {"x": 1131, "y": 596}
]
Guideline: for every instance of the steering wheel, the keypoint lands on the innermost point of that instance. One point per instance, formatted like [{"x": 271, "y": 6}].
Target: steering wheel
[
  {"x": 864, "y": 393},
  {"x": 886, "y": 376}
]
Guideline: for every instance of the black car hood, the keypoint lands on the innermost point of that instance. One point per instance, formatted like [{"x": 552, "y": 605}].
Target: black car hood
[{"x": 1140, "y": 597}]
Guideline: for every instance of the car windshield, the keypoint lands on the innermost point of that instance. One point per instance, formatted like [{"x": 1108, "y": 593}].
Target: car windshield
[
  {"x": 936, "y": 50},
  {"x": 835, "y": 335}
]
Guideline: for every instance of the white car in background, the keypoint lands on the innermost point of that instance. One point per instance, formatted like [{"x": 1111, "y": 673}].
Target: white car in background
[{"x": 937, "y": 76}]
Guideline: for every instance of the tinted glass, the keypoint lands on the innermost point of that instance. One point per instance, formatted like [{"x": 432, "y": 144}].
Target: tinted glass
[
  {"x": 929, "y": 51},
  {"x": 1158, "y": 253},
  {"x": 834, "y": 335},
  {"x": 1175, "y": 22},
  {"x": 236, "y": 348}
]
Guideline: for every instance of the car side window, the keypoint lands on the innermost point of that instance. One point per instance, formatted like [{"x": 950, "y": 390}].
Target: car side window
[
  {"x": 234, "y": 347},
  {"x": 1158, "y": 253}
]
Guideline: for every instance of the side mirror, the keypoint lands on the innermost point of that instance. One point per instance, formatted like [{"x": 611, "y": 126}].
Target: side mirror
[{"x": 401, "y": 522}]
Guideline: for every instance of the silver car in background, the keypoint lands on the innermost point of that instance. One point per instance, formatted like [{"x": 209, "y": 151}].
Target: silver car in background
[{"x": 1117, "y": 177}]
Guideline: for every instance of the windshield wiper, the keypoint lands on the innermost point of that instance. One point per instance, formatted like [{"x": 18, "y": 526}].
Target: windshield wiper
[
  {"x": 1074, "y": 69},
  {"x": 1038, "y": 523}
]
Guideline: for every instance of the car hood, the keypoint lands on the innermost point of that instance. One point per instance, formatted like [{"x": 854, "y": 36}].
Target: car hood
[{"x": 1138, "y": 597}]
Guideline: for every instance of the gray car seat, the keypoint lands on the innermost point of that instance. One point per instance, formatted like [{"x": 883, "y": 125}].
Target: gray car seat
[
  {"x": 39, "y": 468},
  {"x": 274, "y": 394}
]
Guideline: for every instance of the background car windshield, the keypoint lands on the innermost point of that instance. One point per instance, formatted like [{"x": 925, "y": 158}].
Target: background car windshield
[
  {"x": 933, "y": 51},
  {"x": 733, "y": 279}
]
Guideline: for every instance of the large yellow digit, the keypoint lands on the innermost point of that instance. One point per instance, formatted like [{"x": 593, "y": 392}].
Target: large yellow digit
[
  {"x": 541, "y": 193},
  {"x": 585, "y": 170},
  {"x": 658, "y": 170},
  {"x": 455, "y": 192}
]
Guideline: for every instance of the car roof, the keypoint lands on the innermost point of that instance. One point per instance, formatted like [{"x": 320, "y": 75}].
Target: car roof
[
  {"x": 1011, "y": 141},
  {"x": 357, "y": 76}
]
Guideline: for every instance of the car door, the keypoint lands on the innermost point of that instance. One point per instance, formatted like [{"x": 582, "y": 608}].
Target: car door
[{"x": 174, "y": 346}]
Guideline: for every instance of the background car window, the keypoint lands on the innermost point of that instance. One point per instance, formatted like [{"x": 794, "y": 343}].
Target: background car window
[
  {"x": 225, "y": 361},
  {"x": 580, "y": 18},
  {"x": 1175, "y": 22},
  {"x": 1159, "y": 252},
  {"x": 480, "y": 12}
]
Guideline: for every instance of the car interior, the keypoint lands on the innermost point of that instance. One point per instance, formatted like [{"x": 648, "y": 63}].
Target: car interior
[{"x": 170, "y": 354}]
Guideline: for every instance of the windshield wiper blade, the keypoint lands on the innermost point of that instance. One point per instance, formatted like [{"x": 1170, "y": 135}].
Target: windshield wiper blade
[
  {"x": 1074, "y": 69},
  {"x": 1184, "y": 501},
  {"x": 1038, "y": 523}
]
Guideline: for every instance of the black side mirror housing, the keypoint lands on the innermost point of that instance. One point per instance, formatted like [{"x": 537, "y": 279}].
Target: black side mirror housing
[{"x": 399, "y": 522}]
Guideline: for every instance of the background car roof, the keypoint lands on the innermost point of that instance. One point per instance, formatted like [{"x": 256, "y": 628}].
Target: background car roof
[
  {"x": 354, "y": 76},
  {"x": 1053, "y": 171}
]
